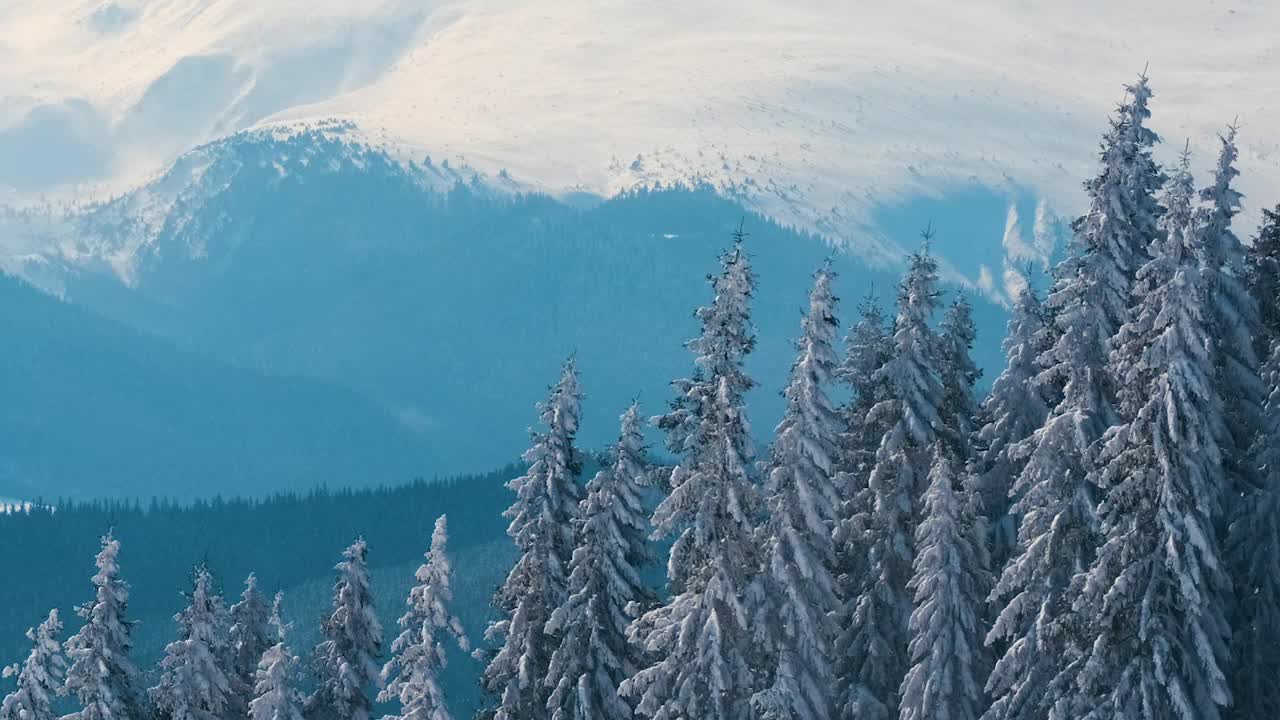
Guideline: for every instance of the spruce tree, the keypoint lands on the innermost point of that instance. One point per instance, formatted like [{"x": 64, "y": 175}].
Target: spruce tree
[
  {"x": 911, "y": 414},
  {"x": 950, "y": 584},
  {"x": 606, "y": 590},
  {"x": 542, "y": 526},
  {"x": 40, "y": 678},
  {"x": 1044, "y": 639},
  {"x": 193, "y": 684},
  {"x": 275, "y": 691},
  {"x": 411, "y": 676},
  {"x": 1014, "y": 409},
  {"x": 1254, "y": 540},
  {"x": 1262, "y": 277},
  {"x": 799, "y": 554},
  {"x": 1154, "y": 595},
  {"x": 1235, "y": 322},
  {"x": 101, "y": 675},
  {"x": 347, "y": 658},
  {"x": 959, "y": 375},
  {"x": 701, "y": 637},
  {"x": 250, "y": 635},
  {"x": 869, "y": 348}
]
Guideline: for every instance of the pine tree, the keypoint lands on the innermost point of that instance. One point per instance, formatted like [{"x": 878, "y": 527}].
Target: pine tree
[
  {"x": 41, "y": 676},
  {"x": 950, "y": 583},
  {"x": 801, "y": 599},
  {"x": 411, "y": 676},
  {"x": 959, "y": 375},
  {"x": 912, "y": 417},
  {"x": 1254, "y": 539},
  {"x": 194, "y": 685},
  {"x": 700, "y": 636},
  {"x": 869, "y": 348},
  {"x": 605, "y": 589},
  {"x": 1014, "y": 409},
  {"x": 1234, "y": 316},
  {"x": 542, "y": 526},
  {"x": 1044, "y": 639},
  {"x": 1262, "y": 277},
  {"x": 1155, "y": 592},
  {"x": 347, "y": 658},
  {"x": 101, "y": 676},
  {"x": 275, "y": 691},
  {"x": 250, "y": 635}
]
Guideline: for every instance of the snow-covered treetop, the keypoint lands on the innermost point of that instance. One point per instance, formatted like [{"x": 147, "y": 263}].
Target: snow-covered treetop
[
  {"x": 913, "y": 369},
  {"x": 40, "y": 677}
]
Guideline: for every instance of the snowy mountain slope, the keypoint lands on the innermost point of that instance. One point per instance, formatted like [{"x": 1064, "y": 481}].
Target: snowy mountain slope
[{"x": 812, "y": 111}]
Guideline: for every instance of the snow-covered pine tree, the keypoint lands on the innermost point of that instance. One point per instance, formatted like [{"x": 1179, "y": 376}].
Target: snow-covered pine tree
[
  {"x": 1014, "y": 409},
  {"x": 1154, "y": 595},
  {"x": 950, "y": 584},
  {"x": 701, "y": 637},
  {"x": 542, "y": 525},
  {"x": 193, "y": 684},
  {"x": 1262, "y": 276},
  {"x": 40, "y": 677},
  {"x": 1044, "y": 639},
  {"x": 606, "y": 590},
  {"x": 1234, "y": 315},
  {"x": 911, "y": 414},
  {"x": 799, "y": 554},
  {"x": 275, "y": 692},
  {"x": 101, "y": 676},
  {"x": 347, "y": 659},
  {"x": 250, "y": 635},
  {"x": 869, "y": 348},
  {"x": 1254, "y": 537},
  {"x": 411, "y": 676},
  {"x": 959, "y": 375}
]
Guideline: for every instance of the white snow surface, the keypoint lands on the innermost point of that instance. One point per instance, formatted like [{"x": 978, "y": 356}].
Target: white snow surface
[{"x": 813, "y": 111}]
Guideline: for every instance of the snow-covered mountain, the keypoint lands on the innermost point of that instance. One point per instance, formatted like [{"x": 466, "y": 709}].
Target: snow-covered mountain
[{"x": 814, "y": 112}]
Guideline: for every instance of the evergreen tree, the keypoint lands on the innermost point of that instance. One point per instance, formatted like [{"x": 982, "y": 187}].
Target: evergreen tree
[
  {"x": 250, "y": 634},
  {"x": 700, "y": 636},
  {"x": 1262, "y": 277},
  {"x": 1045, "y": 640},
  {"x": 801, "y": 599},
  {"x": 1154, "y": 595},
  {"x": 347, "y": 659},
  {"x": 912, "y": 416},
  {"x": 542, "y": 526},
  {"x": 869, "y": 348},
  {"x": 275, "y": 692},
  {"x": 1235, "y": 323},
  {"x": 1014, "y": 409},
  {"x": 950, "y": 584},
  {"x": 194, "y": 685},
  {"x": 605, "y": 589},
  {"x": 411, "y": 676},
  {"x": 40, "y": 678},
  {"x": 959, "y": 375},
  {"x": 101, "y": 676},
  {"x": 1254, "y": 539}
]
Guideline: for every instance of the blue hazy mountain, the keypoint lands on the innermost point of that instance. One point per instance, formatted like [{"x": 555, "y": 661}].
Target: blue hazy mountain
[{"x": 93, "y": 408}]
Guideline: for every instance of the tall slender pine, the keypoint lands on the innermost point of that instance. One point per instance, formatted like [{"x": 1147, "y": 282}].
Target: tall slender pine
[
  {"x": 911, "y": 414},
  {"x": 250, "y": 636},
  {"x": 701, "y": 636},
  {"x": 347, "y": 658},
  {"x": 102, "y": 676},
  {"x": 801, "y": 598},
  {"x": 1155, "y": 594},
  {"x": 194, "y": 684},
  {"x": 606, "y": 590},
  {"x": 40, "y": 677},
  {"x": 411, "y": 676},
  {"x": 542, "y": 525},
  {"x": 275, "y": 692}
]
